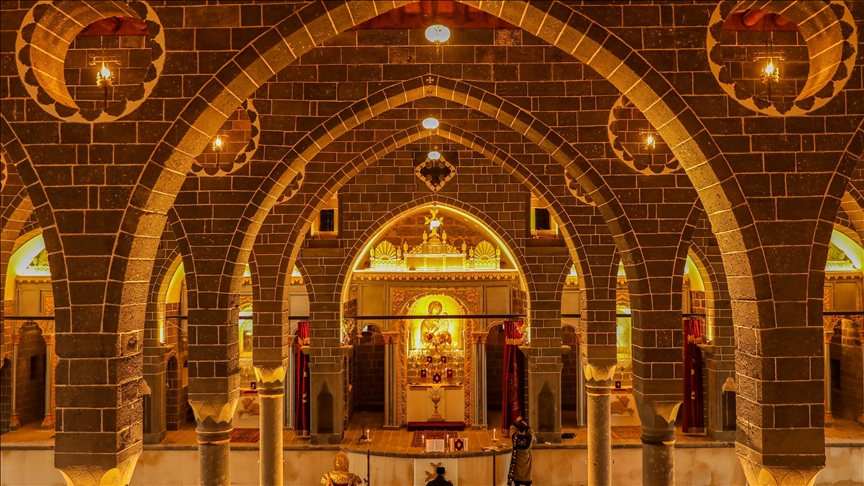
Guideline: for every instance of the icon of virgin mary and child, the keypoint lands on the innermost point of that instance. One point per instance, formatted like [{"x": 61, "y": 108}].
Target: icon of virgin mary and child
[{"x": 435, "y": 331}]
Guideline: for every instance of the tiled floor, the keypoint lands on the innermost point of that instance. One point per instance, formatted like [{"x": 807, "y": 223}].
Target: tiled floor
[{"x": 398, "y": 442}]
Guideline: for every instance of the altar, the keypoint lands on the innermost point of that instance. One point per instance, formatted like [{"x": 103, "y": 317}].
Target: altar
[
  {"x": 430, "y": 283},
  {"x": 450, "y": 407}
]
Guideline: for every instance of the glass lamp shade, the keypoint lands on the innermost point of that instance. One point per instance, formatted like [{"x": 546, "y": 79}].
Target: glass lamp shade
[
  {"x": 434, "y": 155},
  {"x": 437, "y": 33},
  {"x": 430, "y": 123}
]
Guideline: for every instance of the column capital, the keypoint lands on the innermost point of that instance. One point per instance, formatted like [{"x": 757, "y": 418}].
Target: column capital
[
  {"x": 479, "y": 337},
  {"x": 658, "y": 419},
  {"x": 761, "y": 475},
  {"x": 100, "y": 475},
  {"x": 270, "y": 378},
  {"x": 214, "y": 416},
  {"x": 599, "y": 375}
]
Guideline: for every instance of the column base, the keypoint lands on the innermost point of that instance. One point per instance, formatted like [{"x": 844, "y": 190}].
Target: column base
[
  {"x": 49, "y": 422},
  {"x": 829, "y": 419},
  {"x": 14, "y": 423}
]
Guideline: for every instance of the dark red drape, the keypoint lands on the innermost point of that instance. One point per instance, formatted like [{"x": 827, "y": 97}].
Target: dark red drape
[
  {"x": 301, "y": 382},
  {"x": 511, "y": 403},
  {"x": 694, "y": 416}
]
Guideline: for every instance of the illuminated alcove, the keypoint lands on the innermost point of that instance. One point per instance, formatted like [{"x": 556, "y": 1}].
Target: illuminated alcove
[{"x": 433, "y": 261}]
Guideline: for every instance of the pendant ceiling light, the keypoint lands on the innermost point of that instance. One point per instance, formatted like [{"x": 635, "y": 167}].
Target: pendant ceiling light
[
  {"x": 434, "y": 155},
  {"x": 430, "y": 123},
  {"x": 437, "y": 33}
]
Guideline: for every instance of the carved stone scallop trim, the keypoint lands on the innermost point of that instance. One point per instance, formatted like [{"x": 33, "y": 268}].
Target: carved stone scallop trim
[
  {"x": 840, "y": 24},
  {"x": 243, "y": 157},
  {"x": 638, "y": 164}
]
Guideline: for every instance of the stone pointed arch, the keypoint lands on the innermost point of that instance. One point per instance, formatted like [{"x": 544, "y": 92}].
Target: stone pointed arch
[
  {"x": 460, "y": 92},
  {"x": 709, "y": 171},
  {"x": 31, "y": 198},
  {"x": 374, "y": 153},
  {"x": 204, "y": 114}
]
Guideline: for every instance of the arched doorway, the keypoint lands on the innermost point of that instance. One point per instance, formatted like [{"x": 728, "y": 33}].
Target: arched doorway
[
  {"x": 28, "y": 289},
  {"x": 420, "y": 279},
  {"x": 843, "y": 303}
]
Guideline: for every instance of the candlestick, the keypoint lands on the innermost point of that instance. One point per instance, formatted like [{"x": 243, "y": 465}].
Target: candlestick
[{"x": 494, "y": 435}]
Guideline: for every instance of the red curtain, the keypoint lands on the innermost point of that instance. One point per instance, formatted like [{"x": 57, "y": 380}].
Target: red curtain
[
  {"x": 511, "y": 403},
  {"x": 301, "y": 382},
  {"x": 694, "y": 417}
]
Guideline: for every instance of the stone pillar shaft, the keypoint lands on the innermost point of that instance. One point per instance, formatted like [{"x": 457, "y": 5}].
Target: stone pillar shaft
[
  {"x": 658, "y": 463},
  {"x": 480, "y": 379},
  {"x": 214, "y": 457},
  {"x": 391, "y": 393},
  {"x": 14, "y": 423},
  {"x": 861, "y": 343},
  {"x": 271, "y": 436},
  {"x": 829, "y": 415},
  {"x": 49, "y": 421},
  {"x": 599, "y": 433},
  {"x": 271, "y": 395}
]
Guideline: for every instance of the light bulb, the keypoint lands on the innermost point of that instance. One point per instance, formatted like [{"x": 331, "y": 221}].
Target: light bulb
[
  {"x": 437, "y": 33},
  {"x": 434, "y": 224},
  {"x": 103, "y": 77},
  {"x": 650, "y": 142},
  {"x": 430, "y": 123},
  {"x": 769, "y": 69},
  {"x": 434, "y": 155},
  {"x": 218, "y": 144}
]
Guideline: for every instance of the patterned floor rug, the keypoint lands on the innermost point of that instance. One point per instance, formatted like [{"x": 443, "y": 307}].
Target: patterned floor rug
[
  {"x": 245, "y": 435},
  {"x": 431, "y": 434},
  {"x": 626, "y": 432}
]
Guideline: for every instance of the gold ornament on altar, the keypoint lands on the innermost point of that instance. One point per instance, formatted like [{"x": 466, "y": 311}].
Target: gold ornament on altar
[
  {"x": 434, "y": 254},
  {"x": 340, "y": 476}
]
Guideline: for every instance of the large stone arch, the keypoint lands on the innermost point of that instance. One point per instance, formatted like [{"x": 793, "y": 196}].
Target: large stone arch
[
  {"x": 603, "y": 51},
  {"x": 204, "y": 114},
  {"x": 413, "y": 134}
]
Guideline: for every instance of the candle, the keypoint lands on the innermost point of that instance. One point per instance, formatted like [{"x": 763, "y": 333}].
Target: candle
[
  {"x": 494, "y": 434},
  {"x": 367, "y": 434}
]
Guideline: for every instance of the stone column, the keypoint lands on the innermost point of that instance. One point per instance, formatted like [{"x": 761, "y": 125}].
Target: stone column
[
  {"x": 214, "y": 439},
  {"x": 479, "y": 343},
  {"x": 829, "y": 416},
  {"x": 391, "y": 384},
  {"x": 861, "y": 344},
  {"x": 14, "y": 423},
  {"x": 658, "y": 442},
  {"x": 658, "y": 340},
  {"x": 49, "y": 421},
  {"x": 598, "y": 383},
  {"x": 214, "y": 388},
  {"x": 271, "y": 391},
  {"x": 290, "y": 384}
]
